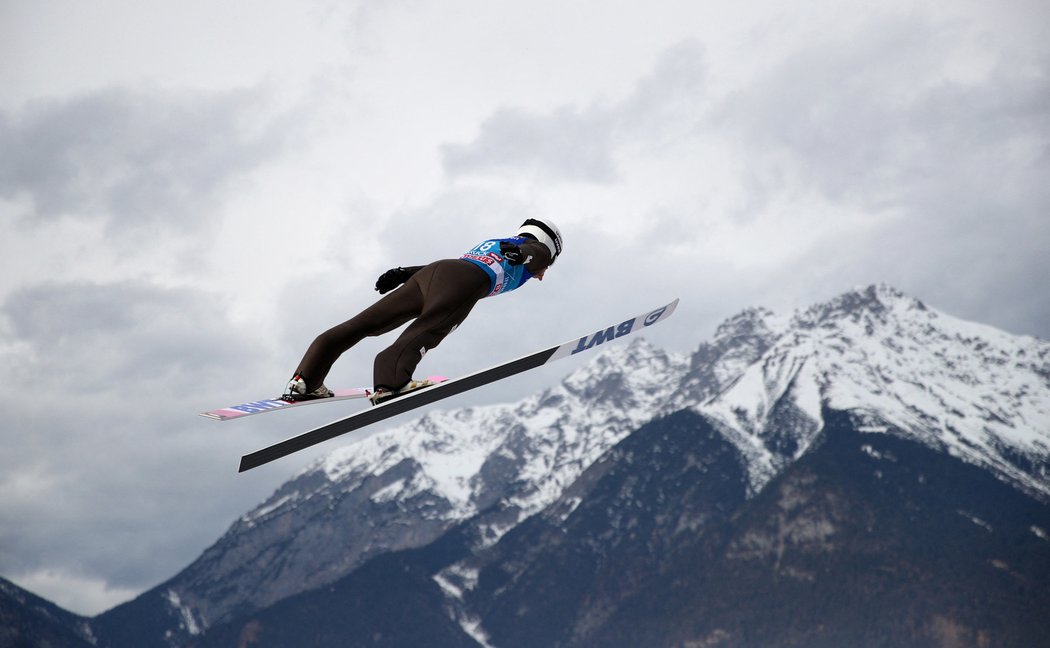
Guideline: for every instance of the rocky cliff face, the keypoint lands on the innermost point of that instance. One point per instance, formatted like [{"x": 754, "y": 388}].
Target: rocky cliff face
[{"x": 28, "y": 620}]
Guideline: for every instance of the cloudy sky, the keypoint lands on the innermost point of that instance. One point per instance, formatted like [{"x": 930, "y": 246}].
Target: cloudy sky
[{"x": 189, "y": 192}]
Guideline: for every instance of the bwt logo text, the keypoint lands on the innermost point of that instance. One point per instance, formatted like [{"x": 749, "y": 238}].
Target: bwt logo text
[
  {"x": 610, "y": 333},
  {"x": 614, "y": 332}
]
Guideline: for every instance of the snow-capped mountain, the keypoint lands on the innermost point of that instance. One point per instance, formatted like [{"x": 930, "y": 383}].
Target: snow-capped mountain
[
  {"x": 971, "y": 390},
  {"x": 764, "y": 383}
]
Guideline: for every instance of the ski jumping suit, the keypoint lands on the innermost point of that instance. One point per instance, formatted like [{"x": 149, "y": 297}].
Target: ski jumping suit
[{"x": 438, "y": 296}]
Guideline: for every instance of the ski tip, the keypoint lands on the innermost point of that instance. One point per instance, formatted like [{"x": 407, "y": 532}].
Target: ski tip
[{"x": 660, "y": 314}]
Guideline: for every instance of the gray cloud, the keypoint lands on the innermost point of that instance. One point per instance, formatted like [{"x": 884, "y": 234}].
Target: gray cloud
[
  {"x": 872, "y": 118},
  {"x": 571, "y": 144},
  {"x": 566, "y": 145},
  {"x": 104, "y": 433},
  {"x": 950, "y": 170},
  {"x": 140, "y": 159},
  {"x": 952, "y": 173},
  {"x": 80, "y": 336}
]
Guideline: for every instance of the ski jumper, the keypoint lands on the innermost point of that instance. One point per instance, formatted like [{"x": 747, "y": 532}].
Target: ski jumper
[{"x": 438, "y": 297}]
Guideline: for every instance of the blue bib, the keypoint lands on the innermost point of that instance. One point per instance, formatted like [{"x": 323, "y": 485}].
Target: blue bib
[{"x": 504, "y": 277}]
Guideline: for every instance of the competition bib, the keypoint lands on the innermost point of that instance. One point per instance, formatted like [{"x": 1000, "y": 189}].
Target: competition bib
[{"x": 504, "y": 277}]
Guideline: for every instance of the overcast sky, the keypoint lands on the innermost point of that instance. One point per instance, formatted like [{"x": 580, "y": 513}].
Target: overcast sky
[{"x": 191, "y": 191}]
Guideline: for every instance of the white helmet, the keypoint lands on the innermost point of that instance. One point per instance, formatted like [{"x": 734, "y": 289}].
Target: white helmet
[{"x": 544, "y": 231}]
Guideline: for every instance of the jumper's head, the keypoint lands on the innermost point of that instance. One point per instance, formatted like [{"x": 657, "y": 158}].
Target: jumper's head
[{"x": 544, "y": 231}]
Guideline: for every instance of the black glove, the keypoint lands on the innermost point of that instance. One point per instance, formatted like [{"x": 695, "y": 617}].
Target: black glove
[
  {"x": 513, "y": 254},
  {"x": 393, "y": 278}
]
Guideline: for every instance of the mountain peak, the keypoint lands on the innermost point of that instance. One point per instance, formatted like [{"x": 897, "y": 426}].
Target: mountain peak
[
  {"x": 974, "y": 390},
  {"x": 876, "y": 301},
  {"x": 755, "y": 321}
]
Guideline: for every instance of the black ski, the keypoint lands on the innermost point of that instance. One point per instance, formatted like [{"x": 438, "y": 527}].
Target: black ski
[{"x": 450, "y": 388}]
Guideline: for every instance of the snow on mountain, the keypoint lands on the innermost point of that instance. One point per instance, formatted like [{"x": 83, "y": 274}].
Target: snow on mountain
[
  {"x": 738, "y": 342},
  {"x": 540, "y": 444},
  {"x": 971, "y": 390}
]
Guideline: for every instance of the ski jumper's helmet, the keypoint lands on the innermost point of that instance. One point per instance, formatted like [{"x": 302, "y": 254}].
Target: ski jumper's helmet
[{"x": 544, "y": 231}]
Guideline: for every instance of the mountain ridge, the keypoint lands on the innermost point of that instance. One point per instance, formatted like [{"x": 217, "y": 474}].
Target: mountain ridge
[
  {"x": 947, "y": 380},
  {"x": 763, "y": 387}
]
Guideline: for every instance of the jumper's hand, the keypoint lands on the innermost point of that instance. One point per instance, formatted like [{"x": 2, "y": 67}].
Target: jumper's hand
[
  {"x": 392, "y": 278},
  {"x": 513, "y": 254}
]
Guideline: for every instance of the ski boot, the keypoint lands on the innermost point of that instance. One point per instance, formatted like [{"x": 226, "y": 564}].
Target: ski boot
[
  {"x": 383, "y": 393},
  {"x": 296, "y": 390}
]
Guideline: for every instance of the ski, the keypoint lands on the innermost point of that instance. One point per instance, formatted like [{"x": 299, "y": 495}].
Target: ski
[
  {"x": 274, "y": 404},
  {"x": 452, "y": 387}
]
